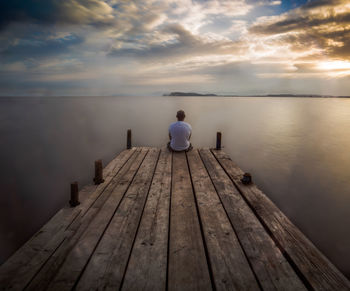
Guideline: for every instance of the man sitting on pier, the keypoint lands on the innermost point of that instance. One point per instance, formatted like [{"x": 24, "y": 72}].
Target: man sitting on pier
[{"x": 180, "y": 134}]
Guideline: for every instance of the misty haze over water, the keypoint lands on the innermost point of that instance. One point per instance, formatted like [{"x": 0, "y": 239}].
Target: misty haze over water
[{"x": 297, "y": 150}]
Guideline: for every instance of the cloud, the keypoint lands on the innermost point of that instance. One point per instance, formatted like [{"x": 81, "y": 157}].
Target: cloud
[
  {"x": 178, "y": 44},
  {"x": 32, "y": 47},
  {"x": 146, "y": 21},
  {"x": 323, "y": 25},
  {"x": 144, "y": 45},
  {"x": 93, "y": 12}
]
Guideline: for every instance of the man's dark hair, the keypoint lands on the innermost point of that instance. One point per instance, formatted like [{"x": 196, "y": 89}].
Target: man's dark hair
[{"x": 180, "y": 115}]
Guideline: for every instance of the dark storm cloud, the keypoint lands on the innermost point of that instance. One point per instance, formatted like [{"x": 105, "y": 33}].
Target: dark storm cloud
[{"x": 94, "y": 12}]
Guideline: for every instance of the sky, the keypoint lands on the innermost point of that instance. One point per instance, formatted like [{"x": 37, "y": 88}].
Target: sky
[{"x": 150, "y": 47}]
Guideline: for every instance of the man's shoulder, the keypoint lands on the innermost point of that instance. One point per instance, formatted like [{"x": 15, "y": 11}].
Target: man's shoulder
[
  {"x": 187, "y": 124},
  {"x": 172, "y": 124}
]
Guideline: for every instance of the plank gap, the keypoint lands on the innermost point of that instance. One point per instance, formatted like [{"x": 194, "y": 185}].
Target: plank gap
[
  {"x": 267, "y": 229},
  {"x": 42, "y": 266},
  {"x": 91, "y": 255},
  {"x": 233, "y": 228},
  {"x": 201, "y": 228},
  {"x": 110, "y": 181},
  {"x": 139, "y": 222},
  {"x": 311, "y": 266},
  {"x": 169, "y": 222},
  {"x": 108, "y": 262}
]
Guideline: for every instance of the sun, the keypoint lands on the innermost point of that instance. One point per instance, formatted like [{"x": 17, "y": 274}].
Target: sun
[
  {"x": 335, "y": 68},
  {"x": 334, "y": 65}
]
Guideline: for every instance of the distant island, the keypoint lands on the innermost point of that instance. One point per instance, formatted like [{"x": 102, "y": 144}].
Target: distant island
[
  {"x": 254, "y": 95},
  {"x": 188, "y": 94}
]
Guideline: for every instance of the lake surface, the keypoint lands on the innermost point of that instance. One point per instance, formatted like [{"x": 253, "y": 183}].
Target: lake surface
[{"x": 297, "y": 150}]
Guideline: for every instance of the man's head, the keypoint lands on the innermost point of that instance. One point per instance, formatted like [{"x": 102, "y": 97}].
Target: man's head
[{"x": 180, "y": 115}]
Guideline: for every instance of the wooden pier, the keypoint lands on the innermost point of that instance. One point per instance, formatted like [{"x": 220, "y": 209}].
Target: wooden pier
[{"x": 170, "y": 221}]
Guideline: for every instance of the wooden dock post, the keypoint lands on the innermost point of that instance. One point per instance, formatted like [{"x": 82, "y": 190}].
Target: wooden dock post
[
  {"x": 74, "y": 194},
  {"x": 246, "y": 179},
  {"x": 218, "y": 140},
  {"x": 98, "y": 172},
  {"x": 128, "y": 141}
]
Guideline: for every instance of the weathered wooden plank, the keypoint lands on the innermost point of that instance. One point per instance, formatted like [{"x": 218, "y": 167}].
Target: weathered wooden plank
[
  {"x": 89, "y": 193},
  {"x": 87, "y": 226},
  {"x": 107, "y": 265},
  {"x": 148, "y": 261},
  {"x": 111, "y": 178},
  {"x": 98, "y": 202},
  {"x": 312, "y": 266},
  {"x": 270, "y": 266},
  {"x": 231, "y": 270},
  {"x": 20, "y": 266},
  {"x": 187, "y": 266}
]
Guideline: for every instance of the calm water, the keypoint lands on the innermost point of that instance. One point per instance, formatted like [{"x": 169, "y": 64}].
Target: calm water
[{"x": 296, "y": 149}]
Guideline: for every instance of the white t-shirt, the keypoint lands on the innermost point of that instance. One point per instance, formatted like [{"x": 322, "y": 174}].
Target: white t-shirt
[{"x": 180, "y": 132}]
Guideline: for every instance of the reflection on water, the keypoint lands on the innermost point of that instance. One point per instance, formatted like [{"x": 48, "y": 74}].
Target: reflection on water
[{"x": 296, "y": 149}]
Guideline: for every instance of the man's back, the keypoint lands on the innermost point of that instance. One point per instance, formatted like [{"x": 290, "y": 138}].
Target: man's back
[{"x": 180, "y": 133}]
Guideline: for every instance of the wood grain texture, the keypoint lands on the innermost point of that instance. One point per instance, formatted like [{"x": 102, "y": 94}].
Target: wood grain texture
[
  {"x": 188, "y": 268},
  {"x": 312, "y": 266},
  {"x": 172, "y": 221},
  {"x": 270, "y": 266},
  {"x": 231, "y": 270},
  {"x": 148, "y": 262},
  {"x": 90, "y": 225},
  {"x": 108, "y": 262},
  {"x": 19, "y": 269}
]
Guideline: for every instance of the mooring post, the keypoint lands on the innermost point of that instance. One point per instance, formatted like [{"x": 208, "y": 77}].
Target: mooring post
[
  {"x": 128, "y": 140},
  {"x": 98, "y": 172},
  {"x": 74, "y": 194},
  {"x": 218, "y": 140},
  {"x": 246, "y": 179}
]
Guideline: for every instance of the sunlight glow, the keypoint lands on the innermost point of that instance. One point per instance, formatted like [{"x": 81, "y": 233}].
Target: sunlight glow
[
  {"x": 334, "y": 65},
  {"x": 335, "y": 69}
]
